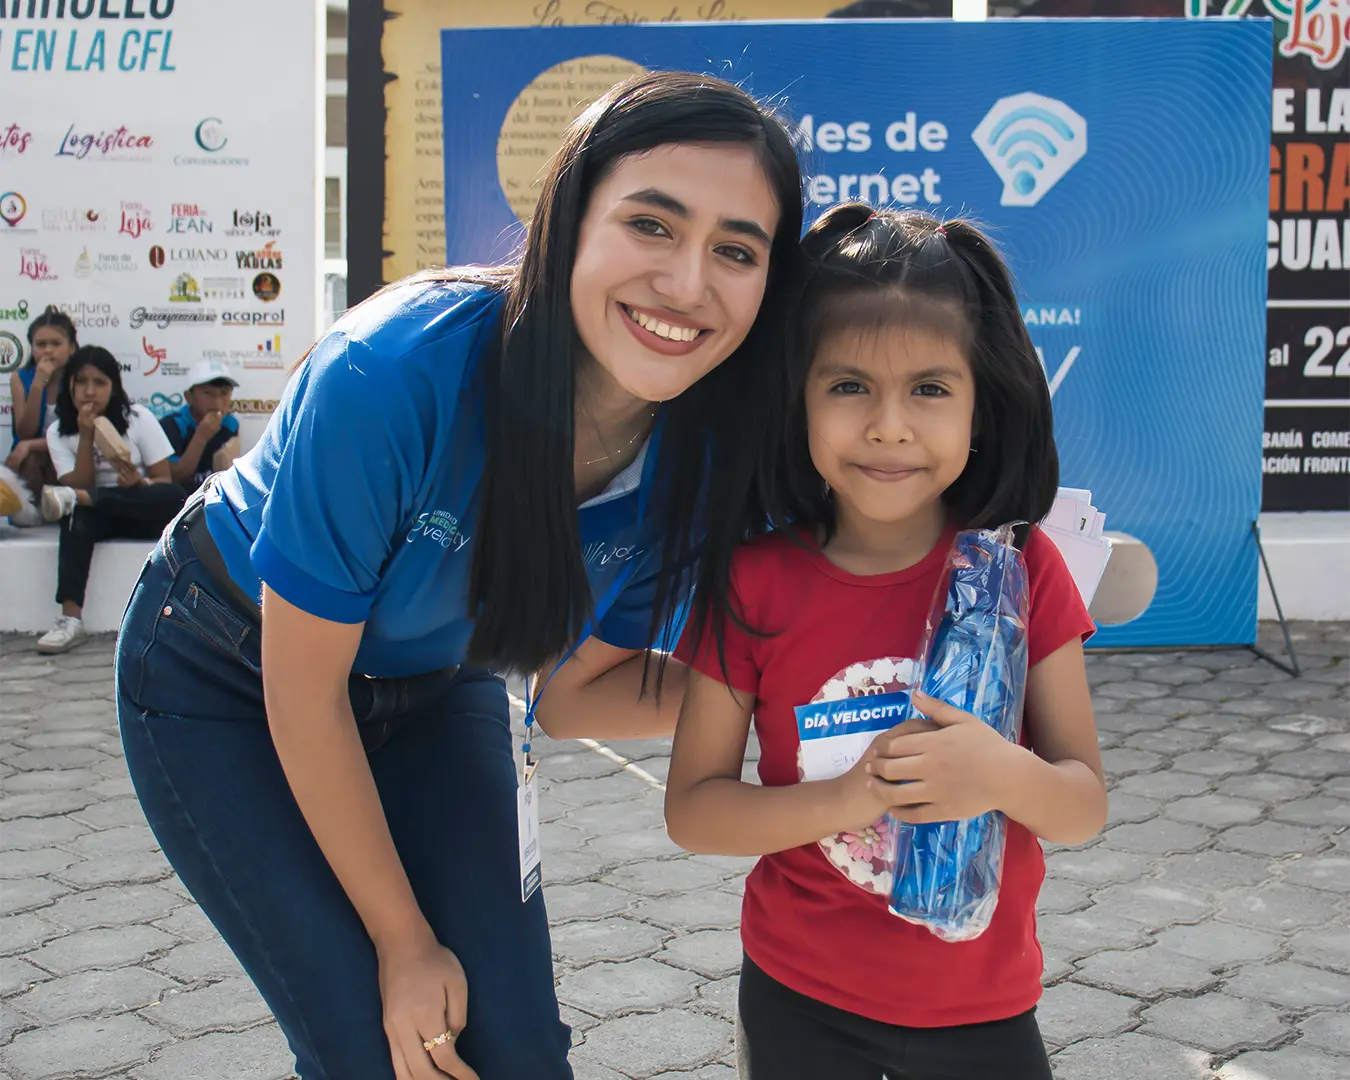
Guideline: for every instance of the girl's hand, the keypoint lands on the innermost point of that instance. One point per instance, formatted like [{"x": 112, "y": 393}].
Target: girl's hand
[
  {"x": 959, "y": 770},
  {"x": 18, "y": 455},
  {"x": 46, "y": 368},
  {"x": 128, "y": 475},
  {"x": 425, "y": 994},
  {"x": 87, "y": 415},
  {"x": 866, "y": 792}
]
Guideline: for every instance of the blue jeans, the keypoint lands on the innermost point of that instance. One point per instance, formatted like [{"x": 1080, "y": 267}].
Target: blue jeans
[{"x": 190, "y": 706}]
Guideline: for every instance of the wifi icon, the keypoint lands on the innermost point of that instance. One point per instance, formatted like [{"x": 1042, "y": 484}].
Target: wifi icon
[{"x": 1031, "y": 141}]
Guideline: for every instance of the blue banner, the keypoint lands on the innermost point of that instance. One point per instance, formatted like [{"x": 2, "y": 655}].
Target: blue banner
[{"x": 1122, "y": 166}]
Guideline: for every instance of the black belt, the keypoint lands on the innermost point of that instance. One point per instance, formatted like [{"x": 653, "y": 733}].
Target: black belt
[{"x": 193, "y": 523}]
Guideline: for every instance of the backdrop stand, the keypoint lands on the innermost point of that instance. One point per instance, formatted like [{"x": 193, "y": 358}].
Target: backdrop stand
[{"x": 1292, "y": 668}]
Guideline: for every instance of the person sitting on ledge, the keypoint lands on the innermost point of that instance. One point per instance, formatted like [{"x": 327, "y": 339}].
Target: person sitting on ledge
[
  {"x": 112, "y": 466},
  {"x": 204, "y": 433}
]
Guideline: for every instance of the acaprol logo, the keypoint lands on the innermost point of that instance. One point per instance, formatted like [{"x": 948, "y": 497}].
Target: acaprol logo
[
  {"x": 275, "y": 317},
  {"x": 116, "y": 145}
]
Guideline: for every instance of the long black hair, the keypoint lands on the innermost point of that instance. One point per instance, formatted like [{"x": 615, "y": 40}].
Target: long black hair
[
  {"x": 119, "y": 405},
  {"x": 52, "y": 316},
  {"x": 528, "y": 590},
  {"x": 867, "y": 268}
]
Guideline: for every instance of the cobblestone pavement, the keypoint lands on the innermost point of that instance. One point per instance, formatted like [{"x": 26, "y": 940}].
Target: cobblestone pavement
[{"x": 1206, "y": 933}]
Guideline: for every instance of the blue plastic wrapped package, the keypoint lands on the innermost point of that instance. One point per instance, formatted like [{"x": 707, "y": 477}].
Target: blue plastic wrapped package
[{"x": 945, "y": 875}]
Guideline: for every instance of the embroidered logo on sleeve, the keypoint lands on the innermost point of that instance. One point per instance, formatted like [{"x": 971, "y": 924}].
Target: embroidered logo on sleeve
[{"x": 439, "y": 527}]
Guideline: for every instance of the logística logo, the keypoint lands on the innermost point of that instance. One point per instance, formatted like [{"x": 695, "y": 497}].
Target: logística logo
[{"x": 1031, "y": 141}]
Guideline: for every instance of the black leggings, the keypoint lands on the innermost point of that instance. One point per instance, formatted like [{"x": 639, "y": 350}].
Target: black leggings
[
  {"x": 793, "y": 1037},
  {"x": 118, "y": 513}
]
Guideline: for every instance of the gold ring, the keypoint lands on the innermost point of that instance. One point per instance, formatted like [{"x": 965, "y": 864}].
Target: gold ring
[{"x": 440, "y": 1040}]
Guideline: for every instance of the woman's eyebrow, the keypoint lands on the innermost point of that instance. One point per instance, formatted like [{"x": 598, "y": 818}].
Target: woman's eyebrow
[{"x": 663, "y": 201}]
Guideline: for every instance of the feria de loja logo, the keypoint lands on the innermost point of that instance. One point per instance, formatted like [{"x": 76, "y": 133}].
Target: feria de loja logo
[{"x": 1316, "y": 29}]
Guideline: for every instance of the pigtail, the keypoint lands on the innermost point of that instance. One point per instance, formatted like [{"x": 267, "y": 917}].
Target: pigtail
[
  {"x": 833, "y": 227},
  {"x": 1013, "y": 372}
]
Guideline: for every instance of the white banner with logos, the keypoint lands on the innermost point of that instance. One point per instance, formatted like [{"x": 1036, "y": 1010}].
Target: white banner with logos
[{"x": 159, "y": 164}]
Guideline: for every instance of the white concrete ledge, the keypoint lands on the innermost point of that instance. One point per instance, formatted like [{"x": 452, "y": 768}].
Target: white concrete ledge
[
  {"x": 1309, "y": 557},
  {"x": 28, "y": 580}
]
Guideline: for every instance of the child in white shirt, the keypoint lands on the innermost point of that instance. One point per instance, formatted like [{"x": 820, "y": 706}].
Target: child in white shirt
[{"x": 112, "y": 464}]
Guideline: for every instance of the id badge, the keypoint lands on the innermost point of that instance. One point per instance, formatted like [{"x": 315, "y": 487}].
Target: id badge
[
  {"x": 527, "y": 823},
  {"x": 835, "y": 734}
]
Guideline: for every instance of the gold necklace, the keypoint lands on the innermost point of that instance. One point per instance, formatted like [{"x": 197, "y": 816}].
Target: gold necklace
[{"x": 623, "y": 449}]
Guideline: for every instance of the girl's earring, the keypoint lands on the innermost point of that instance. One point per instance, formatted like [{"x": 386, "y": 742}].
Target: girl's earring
[
  {"x": 827, "y": 488},
  {"x": 974, "y": 449}
]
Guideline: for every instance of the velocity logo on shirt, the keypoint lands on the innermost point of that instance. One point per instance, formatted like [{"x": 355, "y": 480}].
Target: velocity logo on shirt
[
  {"x": 440, "y": 527},
  {"x": 602, "y": 554}
]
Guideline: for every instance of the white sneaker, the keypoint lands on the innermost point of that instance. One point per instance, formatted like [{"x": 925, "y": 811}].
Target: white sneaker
[
  {"x": 57, "y": 502},
  {"x": 67, "y": 632}
]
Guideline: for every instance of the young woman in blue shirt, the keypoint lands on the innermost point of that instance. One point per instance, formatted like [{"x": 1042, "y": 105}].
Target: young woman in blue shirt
[{"x": 476, "y": 471}]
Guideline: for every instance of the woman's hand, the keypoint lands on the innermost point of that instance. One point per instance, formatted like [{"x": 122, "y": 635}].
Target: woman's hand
[
  {"x": 425, "y": 994},
  {"x": 957, "y": 770},
  {"x": 85, "y": 418},
  {"x": 18, "y": 455}
]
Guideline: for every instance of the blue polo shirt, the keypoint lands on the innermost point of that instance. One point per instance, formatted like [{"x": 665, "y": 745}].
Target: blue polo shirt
[
  {"x": 180, "y": 426},
  {"x": 26, "y": 377},
  {"x": 360, "y": 502}
]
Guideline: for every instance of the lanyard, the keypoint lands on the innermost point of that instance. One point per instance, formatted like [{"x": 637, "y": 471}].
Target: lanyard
[
  {"x": 532, "y": 698},
  {"x": 606, "y": 602}
]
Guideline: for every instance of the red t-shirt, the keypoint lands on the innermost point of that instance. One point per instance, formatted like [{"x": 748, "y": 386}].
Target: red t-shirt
[{"x": 803, "y": 921}]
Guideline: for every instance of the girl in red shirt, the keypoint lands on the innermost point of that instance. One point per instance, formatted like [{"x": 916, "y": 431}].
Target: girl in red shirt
[{"x": 915, "y": 406}]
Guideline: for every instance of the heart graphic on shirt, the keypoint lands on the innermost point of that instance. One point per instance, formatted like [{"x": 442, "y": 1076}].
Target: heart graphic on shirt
[{"x": 864, "y": 857}]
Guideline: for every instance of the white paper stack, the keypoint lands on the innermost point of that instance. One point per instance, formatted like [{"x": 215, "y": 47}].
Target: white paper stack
[{"x": 1075, "y": 525}]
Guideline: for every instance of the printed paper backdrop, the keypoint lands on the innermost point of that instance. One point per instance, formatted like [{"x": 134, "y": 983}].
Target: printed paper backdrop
[{"x": 158, "y": 164}]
